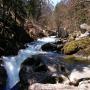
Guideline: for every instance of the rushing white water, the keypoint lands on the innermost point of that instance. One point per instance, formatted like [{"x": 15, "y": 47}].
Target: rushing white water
[
  {"x": 12, "y": 63},
  {"x": 49, "y": 39}
]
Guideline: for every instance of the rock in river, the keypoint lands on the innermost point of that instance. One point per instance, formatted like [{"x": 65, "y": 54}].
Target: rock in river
[{"x": 52, "y": 46}]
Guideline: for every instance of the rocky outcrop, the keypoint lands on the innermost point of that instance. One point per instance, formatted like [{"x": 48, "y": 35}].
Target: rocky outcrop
[
  {"x": 34, "y": 31},
  {"x": 12, "y": 39}
]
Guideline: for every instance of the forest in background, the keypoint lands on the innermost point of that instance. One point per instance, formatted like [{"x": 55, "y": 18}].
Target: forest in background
[{"x": 68, "y": 14}]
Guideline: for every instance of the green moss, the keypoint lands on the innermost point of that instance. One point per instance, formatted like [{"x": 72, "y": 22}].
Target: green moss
[
  {"x": 83, "y": 43},
  {"x": 70, "y": 47},
  {"x": 76, "y": 45}
]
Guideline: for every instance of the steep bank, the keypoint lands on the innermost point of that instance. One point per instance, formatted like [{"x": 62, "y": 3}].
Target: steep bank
[{"x": 12, "y": 38}]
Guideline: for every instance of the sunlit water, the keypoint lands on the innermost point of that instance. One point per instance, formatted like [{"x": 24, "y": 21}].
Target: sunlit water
[{"x": 12, "y": 63}]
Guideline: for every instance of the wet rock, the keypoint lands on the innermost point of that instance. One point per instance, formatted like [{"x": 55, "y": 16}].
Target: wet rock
[
  {"x": 3, "y": 76},
  {"x": 42, "y": 69},
  {"x": 32, "y": 71},
  {"x": 49, "y": 47},
  {"x": 52, "y": 47}
]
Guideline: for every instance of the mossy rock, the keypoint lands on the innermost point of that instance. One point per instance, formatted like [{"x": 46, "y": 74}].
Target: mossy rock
[
  {"x": 70, "y": 48},
  {"x": 83, "y": 43},
  {"x": 76, "y": 45}
]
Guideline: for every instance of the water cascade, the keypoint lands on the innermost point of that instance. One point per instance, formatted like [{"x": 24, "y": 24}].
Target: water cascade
[{"x": 12, "y": 63}]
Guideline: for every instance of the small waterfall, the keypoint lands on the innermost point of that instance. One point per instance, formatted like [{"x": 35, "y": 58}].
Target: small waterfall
[{"x": 12, "y": 63}]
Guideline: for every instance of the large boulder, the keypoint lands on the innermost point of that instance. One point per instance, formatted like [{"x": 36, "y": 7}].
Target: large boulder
[
  {"x": 32, "y": 71},
  {"x": 57, "y": 46},
  {"x": 74, "y": 46},
  {"x": 49, "y": 47},
  {"x": 70, "y": 48}
]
